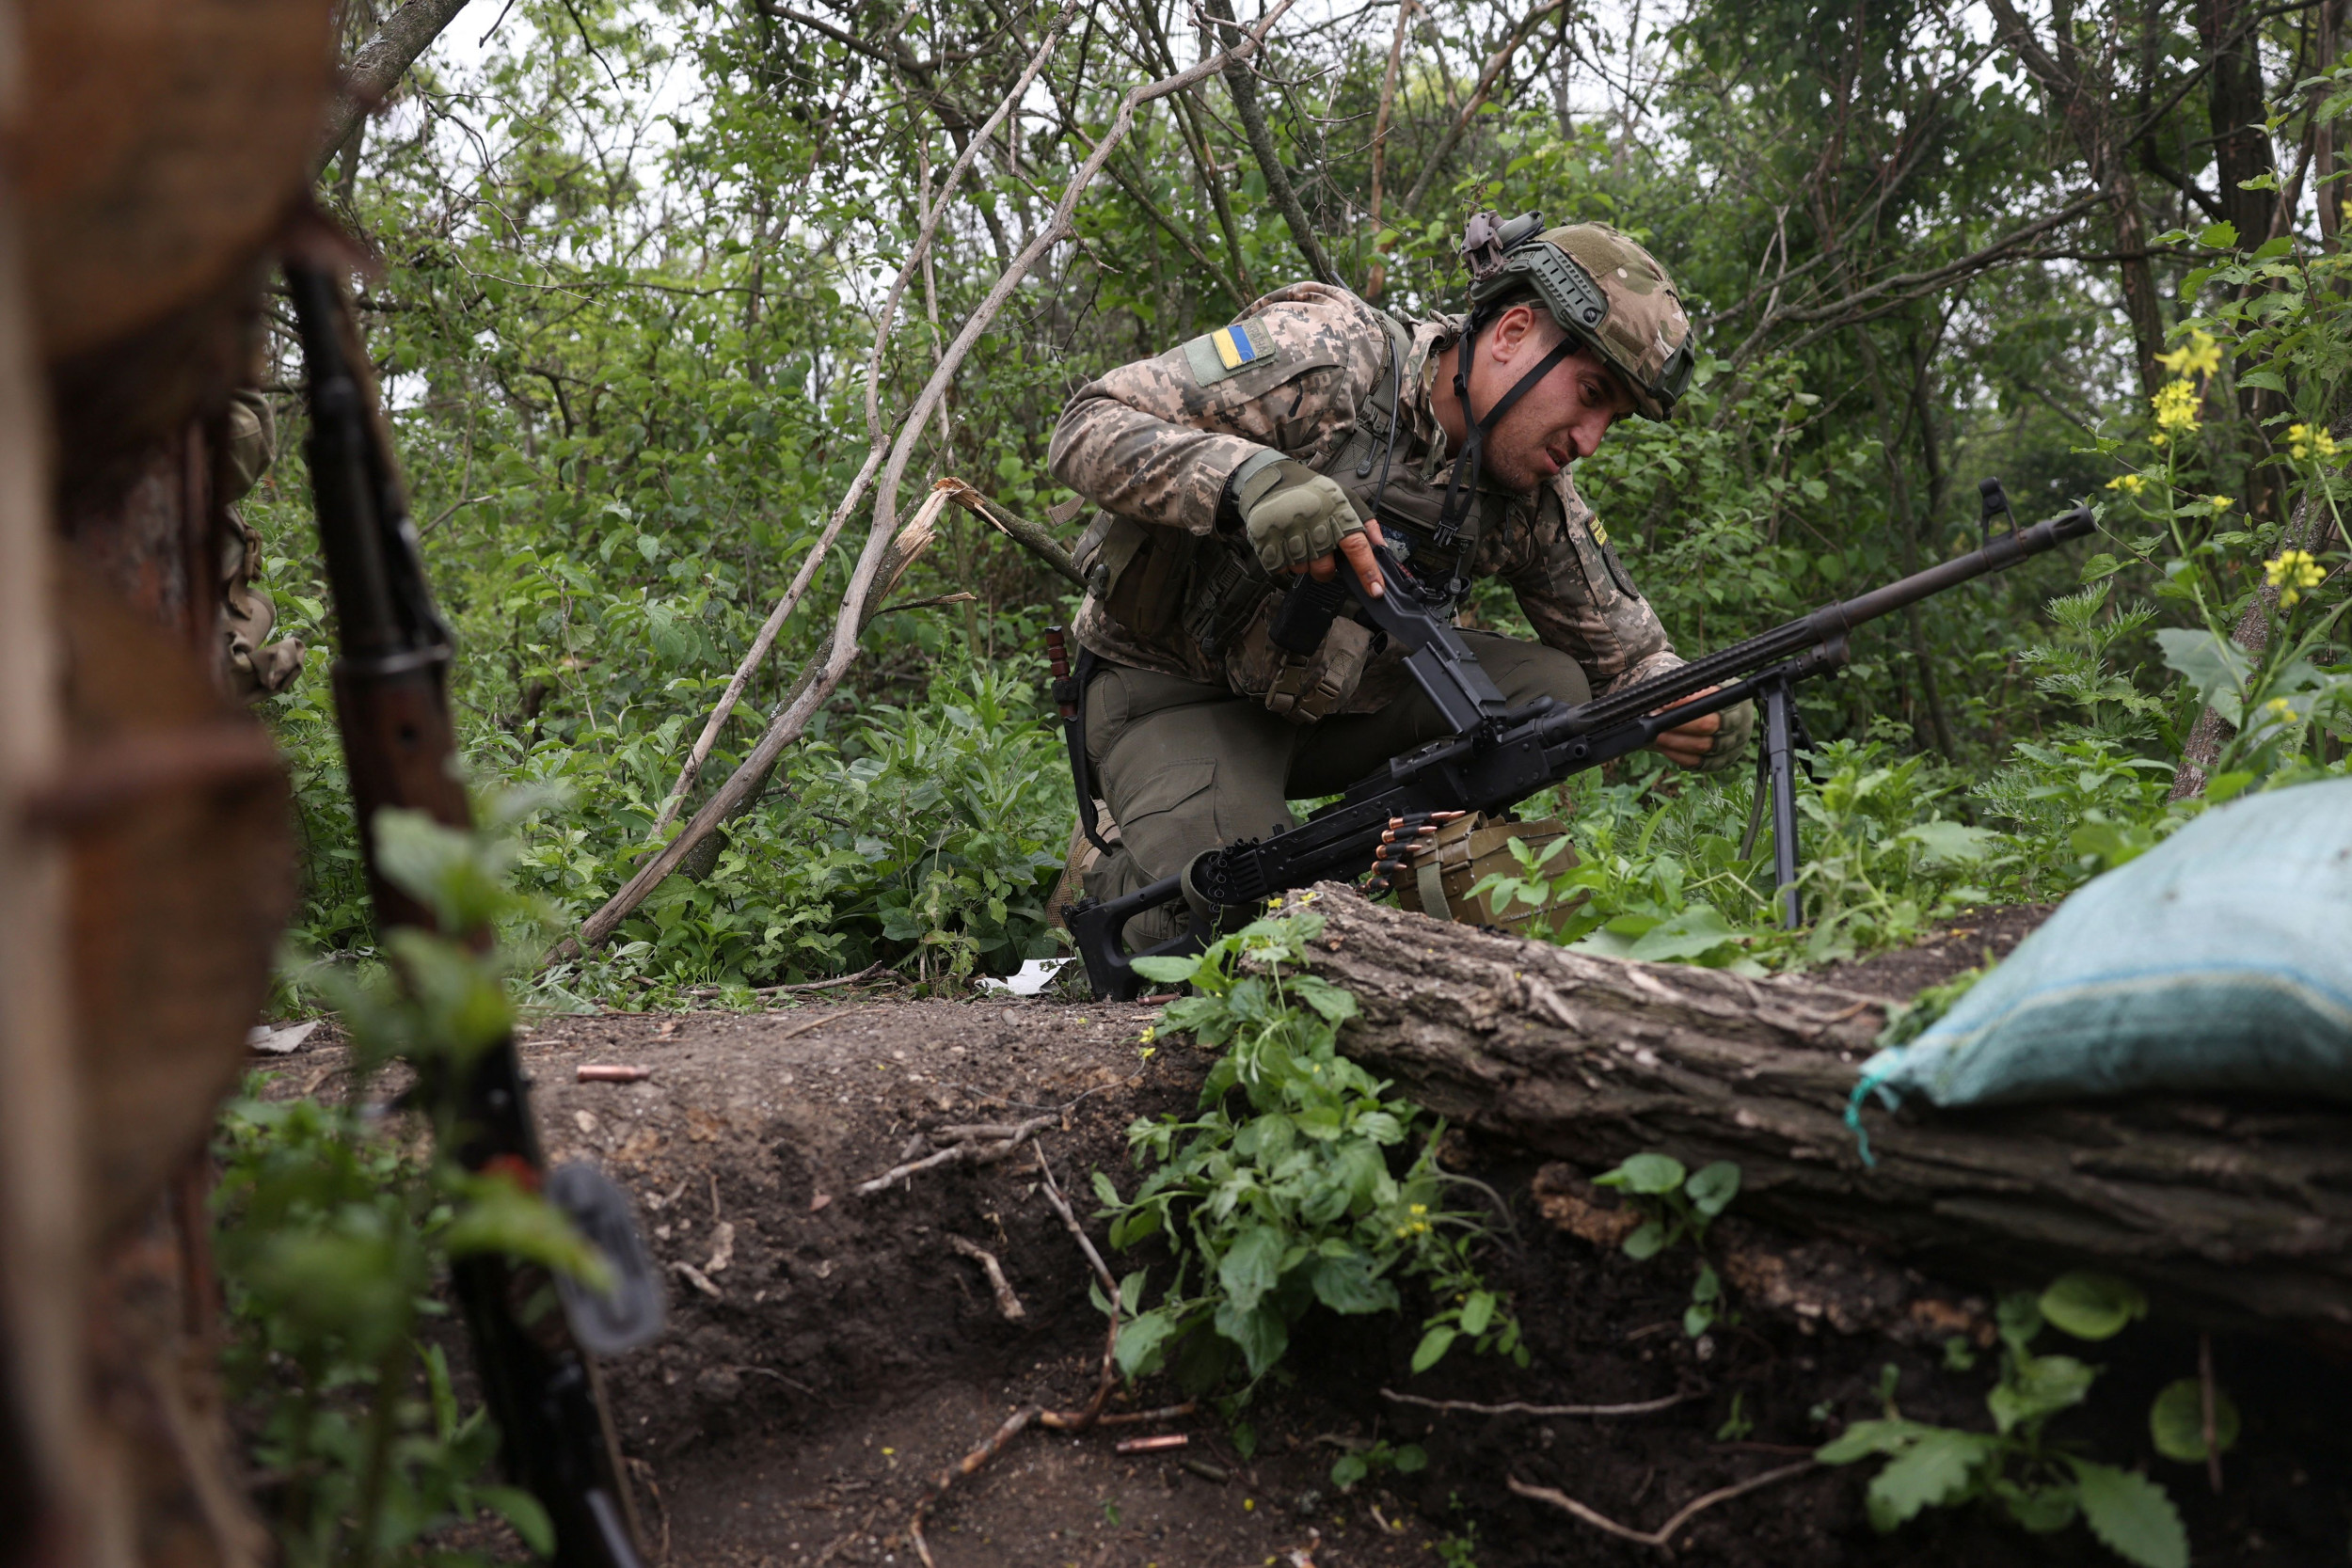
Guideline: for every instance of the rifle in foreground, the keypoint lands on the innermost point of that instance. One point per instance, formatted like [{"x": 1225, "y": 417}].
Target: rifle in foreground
[
  {"x": 1499, "y": 756},
  {"x": 392, "y": 703}
]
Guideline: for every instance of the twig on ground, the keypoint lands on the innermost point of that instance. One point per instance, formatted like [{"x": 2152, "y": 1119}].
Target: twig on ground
[
  {"x": 1518, "y": 1408},
  {"x": 603, "y": 1072},
  {"x": 1663, "y": 1536},
  {"x": 869, "y": 972},
  {"x": 969, "y": 1149},
  {"x": 805, "y": 1027},
  {"x": 1138, "y": 1417},
  {"x": 1006, "y": 1302}
]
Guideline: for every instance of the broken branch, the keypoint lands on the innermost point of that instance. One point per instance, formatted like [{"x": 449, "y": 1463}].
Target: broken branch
[
  {"x": 1663, "y": 1536},
  {"x": 1006, "y": 1301}
]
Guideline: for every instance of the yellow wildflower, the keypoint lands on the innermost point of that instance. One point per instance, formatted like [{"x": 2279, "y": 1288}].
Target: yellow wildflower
[
  {"x": 2221, "y": 503},
  {"x": 2291, "y": 573},
  {"x": 2200, "y": 355},
  {"x": 2131, "y": 484},
  {"x": 2175, "y": 405},
  {"x": 2307, "y": 441},
  {"x": 2280, "y": 709}
]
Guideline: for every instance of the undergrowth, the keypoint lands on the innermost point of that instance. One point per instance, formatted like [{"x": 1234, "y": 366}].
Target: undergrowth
[
  {"x": 1299, "y": 1183},
  {"x": 337, "y": 1223}
]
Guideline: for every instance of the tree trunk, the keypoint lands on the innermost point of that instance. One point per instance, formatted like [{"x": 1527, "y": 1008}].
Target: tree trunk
[{"x": 2235, "y": 1213}]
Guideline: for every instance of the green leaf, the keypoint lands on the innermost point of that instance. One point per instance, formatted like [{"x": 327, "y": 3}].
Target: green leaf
[
  {"x": 1861, "y": 1439},
  {"x": 1944, "y": 844},
  {"x": 1140, "y": 1339},
  {"x": 1106, "y": 1191},
  {"x": 2216, "y": 666},
  {"x": 2176, "y": 1421},
  {"x": 1695, "y": 931},
  {"x": 2093, "y": 1305},
  {"x": 1348, "y": 1469},
  {"x": 1648, "y": 1239},
  {"x": 1409, "y": 1458},
  {"x": 1335, "y": 1005},
  {"x": 2038, "y": 1385},
  {"x": 1934, "y": 1470},
  {"x": 1478, "y": 1311},
  {"x": 499, "y": 1216},
  {"x": 1260, "y": 1332},
  {"x": 1250, "y": 1266},
  {"x": 1346, "y": 1284},
  {"x": 1651, "y": 1174},
  {"x": 523, "y": 1511},
  {"x": 1171, "y": 971},
  {"x": 2130, "y": 1514},
  {"x": 1432, "y": 1347},
  {"x": 1712, "y": 1187},
  {"x": 2219, "y": 236}
]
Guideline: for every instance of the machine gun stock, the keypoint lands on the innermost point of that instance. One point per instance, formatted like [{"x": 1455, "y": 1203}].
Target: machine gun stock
[{"x": 1499, "y": 756}]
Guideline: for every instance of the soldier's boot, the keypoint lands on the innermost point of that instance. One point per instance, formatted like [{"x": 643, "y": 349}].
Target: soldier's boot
[{"x": 1082, "y": 859}]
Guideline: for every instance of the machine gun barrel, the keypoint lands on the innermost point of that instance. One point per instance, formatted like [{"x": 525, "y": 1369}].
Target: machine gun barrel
[{"x": 1824, "y": 628}]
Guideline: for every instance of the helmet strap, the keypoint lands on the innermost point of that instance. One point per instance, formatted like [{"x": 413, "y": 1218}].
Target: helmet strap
[{"x": 1461, "y": 490}]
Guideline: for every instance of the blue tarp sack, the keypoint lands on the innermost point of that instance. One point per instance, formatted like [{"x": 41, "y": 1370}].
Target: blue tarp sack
[{"x": 2221, "y": 959}]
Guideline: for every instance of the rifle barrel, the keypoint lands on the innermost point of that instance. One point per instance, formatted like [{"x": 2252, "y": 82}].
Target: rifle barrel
[{"x": 1824, "y": 626}]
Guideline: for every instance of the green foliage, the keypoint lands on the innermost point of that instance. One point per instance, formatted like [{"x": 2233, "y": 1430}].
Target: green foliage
[
  {"x": 1373, "y": 1458},
  {"x": 1679, "y": 1205},
  {"x": 335, "y": 1231},
  {"x": 1292, "y": 1186},
  {"x": 2033, "y": 1482},
  {"x": 2176, "y": 1421}
]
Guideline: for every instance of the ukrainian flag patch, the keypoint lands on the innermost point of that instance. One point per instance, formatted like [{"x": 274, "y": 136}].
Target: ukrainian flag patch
[{"x": 1229, "y": 350}]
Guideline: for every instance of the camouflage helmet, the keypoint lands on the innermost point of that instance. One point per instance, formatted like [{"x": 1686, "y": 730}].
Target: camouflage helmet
[{"x": 1598, "y": 284}]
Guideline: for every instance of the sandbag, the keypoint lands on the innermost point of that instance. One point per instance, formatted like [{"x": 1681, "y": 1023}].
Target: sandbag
[{"x": 2220, "y": 960}]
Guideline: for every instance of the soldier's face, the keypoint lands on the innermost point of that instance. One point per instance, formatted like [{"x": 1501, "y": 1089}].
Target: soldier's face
[{"x": 1563, "y": 417}]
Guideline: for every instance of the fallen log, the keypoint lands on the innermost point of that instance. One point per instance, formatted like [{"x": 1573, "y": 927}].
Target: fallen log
[{"x": 2230, "y": 1214}]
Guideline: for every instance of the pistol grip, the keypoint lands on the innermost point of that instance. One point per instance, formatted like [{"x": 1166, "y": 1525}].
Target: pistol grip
[{"x": 1305, "y": 618}]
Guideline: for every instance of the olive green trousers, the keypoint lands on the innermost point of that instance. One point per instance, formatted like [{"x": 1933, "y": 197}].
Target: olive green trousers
[{"x": 1187, "y": 767}]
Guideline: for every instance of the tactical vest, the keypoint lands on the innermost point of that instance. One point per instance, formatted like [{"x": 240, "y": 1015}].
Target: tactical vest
[{"x": 1159, "y": 581}]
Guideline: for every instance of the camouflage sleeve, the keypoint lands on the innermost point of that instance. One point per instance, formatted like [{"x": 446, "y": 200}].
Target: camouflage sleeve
[
  {"x": 1579, "y": 598},
  {"x": 1156, "y": 440}
]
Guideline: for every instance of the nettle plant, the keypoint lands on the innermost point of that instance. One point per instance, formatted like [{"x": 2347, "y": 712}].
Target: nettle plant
[
  {"x": 1284, "y": 1191},
  {"x": 1677, "y": 1205},
  {"x": 2036, "y": 1481}
]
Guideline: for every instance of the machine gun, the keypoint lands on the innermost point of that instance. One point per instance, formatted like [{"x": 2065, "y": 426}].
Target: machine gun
[
  {"x": 392, "y": 703},
  {"x": 1499, "y": 755}
]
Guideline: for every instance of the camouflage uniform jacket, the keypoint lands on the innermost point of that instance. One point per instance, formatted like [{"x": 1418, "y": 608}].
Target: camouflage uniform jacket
[{"x": 1151, "y": 443}]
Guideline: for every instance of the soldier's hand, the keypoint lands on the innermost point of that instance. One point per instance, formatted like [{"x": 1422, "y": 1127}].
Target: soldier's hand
[
  {"x": 1693, "y": 744},
  {"x": 1296, "y": 517},
  {"x": 1358, "y": 548}
]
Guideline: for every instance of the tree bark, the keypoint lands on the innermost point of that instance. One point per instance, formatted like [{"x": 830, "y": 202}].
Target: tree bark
[
  {"x": 2227, "y": 1213},
  {"x": 378, "y": 67}
]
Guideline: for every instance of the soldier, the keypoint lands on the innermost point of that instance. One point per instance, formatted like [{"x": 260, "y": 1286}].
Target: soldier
[{"x": 1226, "y": 466}]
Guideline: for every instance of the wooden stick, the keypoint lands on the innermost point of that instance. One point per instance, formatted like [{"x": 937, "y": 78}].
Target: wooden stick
[
  {"x": 1518, "y": 1407},
  {"x": 1033, "y": 538},
  {"x": 1663, "y": 1536},
  {"x": 958, "y": 1153},
  {"x": 1006, "y": 1301}
]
